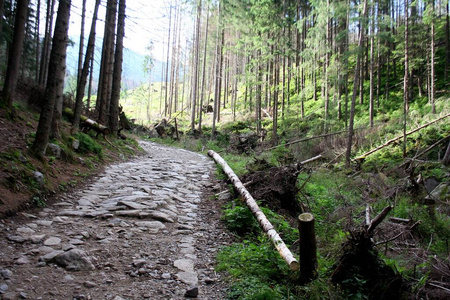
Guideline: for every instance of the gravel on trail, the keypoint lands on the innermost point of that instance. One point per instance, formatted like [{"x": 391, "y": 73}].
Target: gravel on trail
[{"x": 143, "y": 229}]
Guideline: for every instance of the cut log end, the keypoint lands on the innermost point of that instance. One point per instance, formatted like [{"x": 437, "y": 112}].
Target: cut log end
[
  {"x": 294, "y": 265},
  {"x": 306, "y": 217}
]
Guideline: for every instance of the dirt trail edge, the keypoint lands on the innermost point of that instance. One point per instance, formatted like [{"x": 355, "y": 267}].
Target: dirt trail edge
[{"x": 144, "y": 229}]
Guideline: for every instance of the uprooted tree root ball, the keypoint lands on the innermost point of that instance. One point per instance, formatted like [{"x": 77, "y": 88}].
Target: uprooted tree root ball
[
  {"x": 275, "y": 186},
  {"x": 360, "y": 269}
]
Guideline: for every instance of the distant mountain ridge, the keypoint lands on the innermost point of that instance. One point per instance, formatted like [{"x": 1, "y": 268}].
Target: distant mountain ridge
[{"x": 132, "y": 74}]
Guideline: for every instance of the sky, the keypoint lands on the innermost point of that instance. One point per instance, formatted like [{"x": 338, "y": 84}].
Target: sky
[{"x": 147, "y": 21}]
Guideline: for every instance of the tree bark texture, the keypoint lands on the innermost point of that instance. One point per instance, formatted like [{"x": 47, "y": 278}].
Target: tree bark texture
[
  {"x": 57, "y": 58},
  {"x": 12, "y": 72},
  {"x": 106, "y": 65},
  {"x": 117, "y": 75},
  {"x": 264, "y": 223},
  {"x": 82, "y": 77},
  {"x": 355, "y": 88},
  {"x": 43, "y": 72},
  {"x": 80, "y": 50},
  {"x": 196, "y": 62},
  {"x": 308, "y": 247}
]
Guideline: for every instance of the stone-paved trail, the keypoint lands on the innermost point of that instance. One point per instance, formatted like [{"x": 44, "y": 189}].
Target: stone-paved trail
[{"x": 144, "y": 229}]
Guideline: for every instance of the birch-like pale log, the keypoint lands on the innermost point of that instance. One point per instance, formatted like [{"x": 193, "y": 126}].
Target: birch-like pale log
[{"x": 265, "y": 224}]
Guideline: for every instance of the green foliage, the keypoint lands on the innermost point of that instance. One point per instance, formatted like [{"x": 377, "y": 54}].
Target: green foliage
[
  {"x": 38, "y": 201},
  {"x": 434, "y": 229},
  {"x": 254, "y": 259},
  {"x": 88, "y": 144},
  {"x": 239, "y": 219},
  {"x": 253, "y": 288}
]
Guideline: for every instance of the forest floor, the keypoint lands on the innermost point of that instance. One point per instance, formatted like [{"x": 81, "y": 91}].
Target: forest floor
[{"x": 148, "y": 228}]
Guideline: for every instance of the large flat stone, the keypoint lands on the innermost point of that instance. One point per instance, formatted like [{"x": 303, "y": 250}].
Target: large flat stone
[
  {"x": 189, "y": 278},
  {"x": 156, "y": 215},
  {"x": 132, "y": 205},
  {"x": 153, "y": 226},
  {"x": 185, "y": 265}
]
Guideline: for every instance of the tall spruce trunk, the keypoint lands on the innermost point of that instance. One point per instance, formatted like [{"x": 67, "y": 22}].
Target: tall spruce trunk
[
  {"x": 117, "y": 75},
  {"x": 80, "y": 49},
  {"x": 15, "y": 54},
  {"x": 196, "y": 62},
  {"x": 432, "y": 79},
  {"x": 406, "y": 77},
  {"x": 372, "y": 62},
  {"x": 106, "y": 64},
  {"x": 82, "y": 78},
  {"x": 166, "y": 77},
  {"x": 57, "y": 58},
  {"x": 36, "y": 33},
  {"x": 202, "y": 93},
  {"x": 355, "y": 87},
  {"x": 45, "y": 55}
]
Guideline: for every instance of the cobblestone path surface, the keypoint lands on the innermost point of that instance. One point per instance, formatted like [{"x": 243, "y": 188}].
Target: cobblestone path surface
[{"x": 143, "y": 229}]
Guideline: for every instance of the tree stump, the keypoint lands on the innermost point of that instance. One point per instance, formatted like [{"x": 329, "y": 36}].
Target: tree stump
[{"x": 308, "y": 248}]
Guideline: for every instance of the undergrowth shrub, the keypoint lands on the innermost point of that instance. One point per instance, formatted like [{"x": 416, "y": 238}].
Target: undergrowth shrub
[
  {"x": 239, "y": 219},
  {"x": 434, "y": 229},
  {"x": 88, "y": 144}
]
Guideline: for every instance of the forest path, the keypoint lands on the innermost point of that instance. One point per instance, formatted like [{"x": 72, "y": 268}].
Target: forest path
[{"x": 144, "y": 229}]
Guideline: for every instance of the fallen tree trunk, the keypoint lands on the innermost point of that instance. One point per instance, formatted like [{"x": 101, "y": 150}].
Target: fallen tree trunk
[
  {"x": 88, "y": 123},
  {"x": 363, "y": 156},
  {"x": 310, "y": 159},
  {"x": 265, "y": 224}
]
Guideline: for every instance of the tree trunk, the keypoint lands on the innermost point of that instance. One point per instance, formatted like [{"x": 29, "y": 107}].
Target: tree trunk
[
  {"x": 80, "y": 51},
  {"x": 264, "y": 223},
  {"x": 106, "y": 64},
  {"x": 222, "y": 43},
  {"x": 196, "y": 62},
  {"x": 2, "y": 5},
  {"x": 447, "y": 43},
  {"x": 36, "y": 32},
  {"x": 405, "y": 78},
  {"x": 57, "y": 58},
  {"x": 166, "y": 90},
  {"x": 82, "y": 78},
  {"x": 275, "y": 101},
  {"x": 57, "y": 114},
  {"x": 446, "y": 159},
  {"x": 43, "y": 72},
  {"x": 117, "y": 75},
  {"x": 202, "y": 96},
  {"x": 258, "y": 91},
  {"x": 91, "y": 71},
  {"x": 308, "y": 247},
  {"x": 372, "y": 62},
  {"x": 15, "y": 54},
  {"x": 355, "y": 87},
  {"x": 432, "y": 79}
]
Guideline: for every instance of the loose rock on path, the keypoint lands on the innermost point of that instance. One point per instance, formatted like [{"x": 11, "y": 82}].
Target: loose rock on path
[{"x": 144, "y": 229}]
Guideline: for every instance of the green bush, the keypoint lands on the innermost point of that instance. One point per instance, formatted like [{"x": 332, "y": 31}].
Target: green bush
[{"x": 239, "y": 219}]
